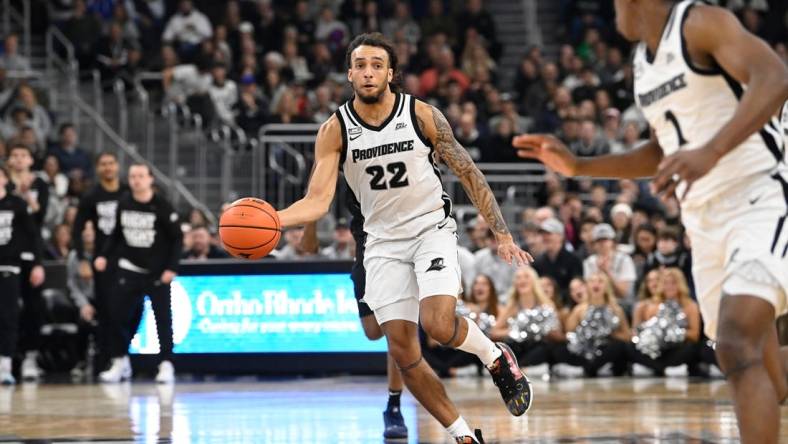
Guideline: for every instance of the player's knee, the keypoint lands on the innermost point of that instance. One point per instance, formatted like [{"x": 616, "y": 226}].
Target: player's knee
[
  {"x": 439, "y": 326},
  {"x": 404, "y": 351},
  {"x": 735, "y": 349}
]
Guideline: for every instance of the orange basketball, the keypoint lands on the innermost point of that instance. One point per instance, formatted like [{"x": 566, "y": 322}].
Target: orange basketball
[{"x": 250, "y": 228}]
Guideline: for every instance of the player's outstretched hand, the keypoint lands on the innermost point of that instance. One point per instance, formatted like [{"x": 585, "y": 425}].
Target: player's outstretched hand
[
  {"x": 511, "y": 253},
  {"x": 687, "y": 166},
  {"x": 547, "y": 149}
]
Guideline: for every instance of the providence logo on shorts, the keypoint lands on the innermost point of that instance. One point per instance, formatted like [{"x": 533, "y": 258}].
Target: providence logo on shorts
[{"x": 436, "y": 265}]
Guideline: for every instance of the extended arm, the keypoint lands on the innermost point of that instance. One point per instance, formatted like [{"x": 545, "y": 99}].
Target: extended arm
[
  {"x": 435, "y": 127},
  {"x": 638, "y": 163},
  {"x": 322, "y": 186}
]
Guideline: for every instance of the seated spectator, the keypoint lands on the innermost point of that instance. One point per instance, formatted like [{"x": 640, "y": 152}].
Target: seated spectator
[
  {"x": 83, "y": 30},
  {"x": 597, "y": 331},
  {"x": 620, "y": 219},
  {"x": 72, "y": 158},
  {"x": 403, "y": 23},
  {"x": 114, "y": 55},
  {"x": 589, "y": 144},
  {"x": 343, "y": 246},
  {"x": 557, "y": 262},
  {"x": 251, "y": 110},
  {"x": 201, "y": 246},
  {"x": 295, "y": 62},
  {"x": 332, "y": 31},
  {"x": 617, "y": 266},
  {"x": 438, "y": 21},
  {"x": 189, "y": 84},
  {"x": 468, "y": 136},
  {"x": 645, "y": 245},
  {"x": 322, "y": 105},
  {"x": 19, "y": 117},
  {"x": 443, "y": 71},
  {"x": 58, "y": 187},
  {"x": 670, "y": 254},
  {"x": 528, "y": 322},
  {"x": 187, "y": 29},
  {"x": 58, "y": 246},
  {"x": 292, "y": 250},
  {"x": 488, "y": 262},
  {"x": 578, "y": 293},
  {"x": 40, "y": 120},
  {"x": 667, "y": 325},
  {"x": 223, "y": 93},
  {"x": 473, "y": 16},
  {"x": 11, "y": 60}
]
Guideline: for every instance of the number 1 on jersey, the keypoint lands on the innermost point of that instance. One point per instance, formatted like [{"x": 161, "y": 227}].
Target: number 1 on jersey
[
  {"x": 672, "y": 119},
  {"x": 378, "y": 181}
]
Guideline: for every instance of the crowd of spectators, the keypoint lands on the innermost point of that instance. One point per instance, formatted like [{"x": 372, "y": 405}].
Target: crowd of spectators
[{"x": 249, "y": 63}]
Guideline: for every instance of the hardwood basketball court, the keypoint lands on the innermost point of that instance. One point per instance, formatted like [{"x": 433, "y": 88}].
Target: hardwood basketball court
[{"x": 348, "y": 410}]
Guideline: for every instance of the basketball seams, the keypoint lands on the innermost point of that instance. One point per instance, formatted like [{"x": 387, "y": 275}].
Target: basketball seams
[{"x": 261, "y": 206}]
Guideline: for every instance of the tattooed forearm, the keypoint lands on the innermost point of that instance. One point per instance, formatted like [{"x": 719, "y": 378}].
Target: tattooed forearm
[{"x": 458, "y": 159}]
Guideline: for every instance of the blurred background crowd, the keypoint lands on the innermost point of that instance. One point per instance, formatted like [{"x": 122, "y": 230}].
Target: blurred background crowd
[{"x": 249, "y": 63}]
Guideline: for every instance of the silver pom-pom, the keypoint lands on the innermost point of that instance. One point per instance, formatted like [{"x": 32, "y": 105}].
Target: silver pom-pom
[
  {"x": 532, "y": 324},
  {"x": 666, "y": 329},
  {"x": 461, "y": 309},
  {"x": 484, "y": 320},
  {"x": 593, "y": 332}
]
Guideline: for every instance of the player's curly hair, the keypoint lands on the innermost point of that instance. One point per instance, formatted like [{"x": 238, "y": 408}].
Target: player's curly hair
[{"x": 378, "y": 40}]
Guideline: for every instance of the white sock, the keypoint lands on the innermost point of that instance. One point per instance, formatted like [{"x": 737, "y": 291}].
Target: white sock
[
  {"x": 459, "y": 428},
  {"x": 477, "y": 344}
]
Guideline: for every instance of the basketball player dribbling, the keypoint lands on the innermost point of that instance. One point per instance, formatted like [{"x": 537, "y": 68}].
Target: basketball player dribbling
[
  {"x": 386, "y": 143},
  {"x": 717, "y": 145}
]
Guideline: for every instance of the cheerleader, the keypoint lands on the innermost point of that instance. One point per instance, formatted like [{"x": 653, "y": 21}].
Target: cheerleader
[
  {"x": 667, "y": 325},
  {"x": 529, "y": 322},
  {"x": 597, "y": 331}
]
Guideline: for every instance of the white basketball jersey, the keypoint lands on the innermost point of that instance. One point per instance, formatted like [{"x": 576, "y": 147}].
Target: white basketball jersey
[
  {"x": 392, "y": 172},
  {"x": 687, "y": 105}
]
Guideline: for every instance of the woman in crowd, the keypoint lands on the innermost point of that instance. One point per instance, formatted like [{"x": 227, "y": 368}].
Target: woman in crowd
[
  {"x": 529, "y": 322},
  {"x": 597, "y": 331},
  {"x": 667, "y": 323}
]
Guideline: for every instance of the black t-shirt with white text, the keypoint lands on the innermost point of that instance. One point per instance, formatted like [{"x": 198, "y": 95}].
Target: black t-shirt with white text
[
  {"x": 100, "y": 207},
  {"x": 146, "y": 234},
  {"x": 18, "y": 232}
]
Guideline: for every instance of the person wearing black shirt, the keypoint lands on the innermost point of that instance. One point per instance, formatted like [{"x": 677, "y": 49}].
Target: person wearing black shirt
[
  {"x": 557, "y": 262},
  {"x": 17, "y": 232},
  {"x": 35, "y": 192},
  {"x": 146, "y": 242},
  {"x": 100, "y": 206}
]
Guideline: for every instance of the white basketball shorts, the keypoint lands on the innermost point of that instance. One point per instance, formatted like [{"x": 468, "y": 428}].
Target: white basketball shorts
[
  {"x": 400, "y": 273},
  {"x": 740, "y": 246}
]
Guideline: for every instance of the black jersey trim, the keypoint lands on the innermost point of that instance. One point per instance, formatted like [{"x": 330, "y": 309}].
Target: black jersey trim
[
  {"x": 416, "y": 126},
  {"x": 781, "y": 221},
  {"x": 347, "y": 111},
  {"x": 768, "y": 139},
  {"x": 402, "y": 105},
  {"x": 343, "y": 130},
  {"x": 715, "y": 70},
  {"x": 665, "y": 33},
  {"x": 393, "y": 112}
]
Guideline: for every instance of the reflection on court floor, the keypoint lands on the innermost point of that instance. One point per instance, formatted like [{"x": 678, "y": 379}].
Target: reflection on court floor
[{"x": 349, "y": 410}]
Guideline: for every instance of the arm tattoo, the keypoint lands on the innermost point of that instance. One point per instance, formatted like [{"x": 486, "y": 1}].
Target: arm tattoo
[{"x": 458, "y": 159}]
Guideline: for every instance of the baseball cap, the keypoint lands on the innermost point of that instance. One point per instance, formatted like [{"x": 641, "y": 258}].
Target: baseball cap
[
  {"x": 621, "y": 208},
  {"x": 246, "y": 27},
  {"x": 603, "y": 231},
  {"x": 342, "y": 223},
  {"x": 552, "y": 225}
]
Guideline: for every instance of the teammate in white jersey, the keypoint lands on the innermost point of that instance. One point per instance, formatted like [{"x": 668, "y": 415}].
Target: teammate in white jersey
[
  {"x": 711, "y": 91},
  {"x": 386, "y": 144}
]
